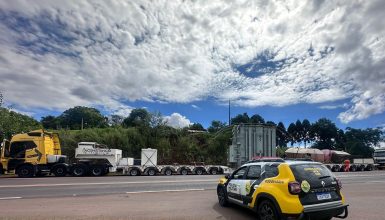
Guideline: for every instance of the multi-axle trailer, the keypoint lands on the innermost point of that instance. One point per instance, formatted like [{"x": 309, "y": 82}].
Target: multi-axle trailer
[{"x": 38, "y": 153}]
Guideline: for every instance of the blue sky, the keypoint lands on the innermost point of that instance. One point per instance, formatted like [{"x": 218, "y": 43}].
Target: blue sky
[{"x": 282, "y": 60}]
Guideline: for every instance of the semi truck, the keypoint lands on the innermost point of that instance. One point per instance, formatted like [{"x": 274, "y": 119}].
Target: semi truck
[
  {"x": 38, "y": 153},
  {"x": 333, "y": 159},
  {"x": 379, "y": 157}
]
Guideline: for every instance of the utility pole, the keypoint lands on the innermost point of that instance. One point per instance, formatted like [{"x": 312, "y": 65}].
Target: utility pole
[
  {"x": 229, "y": 114},
  {"x": 82, "y": 123}
]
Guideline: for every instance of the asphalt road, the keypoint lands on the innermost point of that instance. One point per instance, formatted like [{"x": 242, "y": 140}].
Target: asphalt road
[{"x": 159, "y": 197}]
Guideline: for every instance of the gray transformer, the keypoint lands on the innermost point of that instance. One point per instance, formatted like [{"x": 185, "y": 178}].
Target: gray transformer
[{"x": 251, "y": 140}]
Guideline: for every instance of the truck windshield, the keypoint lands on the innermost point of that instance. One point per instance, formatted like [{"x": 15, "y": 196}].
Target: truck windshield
[{"x": 379, "y": 154}]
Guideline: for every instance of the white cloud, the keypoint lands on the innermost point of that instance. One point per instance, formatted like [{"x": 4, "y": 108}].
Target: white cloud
[
  {"x": 56, "y": 55},
  {"x": 177, "y": 120},
  {"x": 331, "y": 107},
  {"x": 196, "y": 107}
]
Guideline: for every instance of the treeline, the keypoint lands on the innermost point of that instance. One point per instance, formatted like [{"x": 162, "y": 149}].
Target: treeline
[
  {"x": 322, "y": 134},
  {"x": 142, "y": 129}
]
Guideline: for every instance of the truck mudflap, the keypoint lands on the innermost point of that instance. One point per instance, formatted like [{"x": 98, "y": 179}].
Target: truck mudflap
[{"x": 320, "y": 211}]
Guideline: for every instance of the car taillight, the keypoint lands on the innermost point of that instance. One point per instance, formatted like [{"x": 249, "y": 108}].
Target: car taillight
[
  {"x": 339, "y": 184},
  {"x": 294, "y": 188}
]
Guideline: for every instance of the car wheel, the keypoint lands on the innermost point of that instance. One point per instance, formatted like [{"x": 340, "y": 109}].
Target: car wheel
[
  {"x": 267, "y": 211},
  {"x": 25, "y": 171},
  {"x": 59, "y": 171},
  {"x": 168, "y": 172},
  {"x": 214, "y": 172},
  {"x": 222, "y": 197},
  {"x": 184, "y": 172}
]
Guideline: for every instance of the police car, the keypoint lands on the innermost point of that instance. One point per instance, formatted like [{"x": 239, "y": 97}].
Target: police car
[{"x": 285, "y": 190}]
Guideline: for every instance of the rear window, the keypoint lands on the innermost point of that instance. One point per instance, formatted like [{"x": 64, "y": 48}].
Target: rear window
[{"x": 310, "y": 172}]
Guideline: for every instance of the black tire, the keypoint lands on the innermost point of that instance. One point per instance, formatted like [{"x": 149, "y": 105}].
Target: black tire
[
  {"x": 199, "y": 171},
  {"x": 353, "y": 168},
  {"x": 151, "y": 172},
  {"x": 168, "y": 172},
  {"x": 79, "y": 170},
  {"x": 97, "y": 170},
  {"x": 222, "y": 197},
  {"x": 214, "y": 171},
  {"x": 59, "y": 171},
  {"x": 267, "y": 211},
  {"x": 184, "y": 172},
  {"x": 25, "y": 171},
  {"x": 134, "y": 172}
]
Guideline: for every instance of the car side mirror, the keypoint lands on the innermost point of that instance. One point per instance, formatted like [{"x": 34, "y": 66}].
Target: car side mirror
[{"x": 227, "y": 176}]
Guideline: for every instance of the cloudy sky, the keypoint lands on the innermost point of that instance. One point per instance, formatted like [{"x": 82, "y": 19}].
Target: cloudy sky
[{"x": 285, "y": 60}]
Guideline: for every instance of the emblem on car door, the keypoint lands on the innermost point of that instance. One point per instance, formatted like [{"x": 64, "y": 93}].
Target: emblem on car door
[{"x": 323, "y": 183}]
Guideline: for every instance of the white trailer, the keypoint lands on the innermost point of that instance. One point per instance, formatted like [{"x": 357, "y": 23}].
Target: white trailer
[{"x": 92, "y": 156}]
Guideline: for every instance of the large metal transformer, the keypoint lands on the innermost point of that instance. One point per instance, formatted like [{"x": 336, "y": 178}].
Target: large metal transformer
[{"x": 251, "y": 140}]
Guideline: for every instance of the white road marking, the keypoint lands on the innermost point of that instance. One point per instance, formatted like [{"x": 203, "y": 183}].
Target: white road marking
[
  {"x": 104, "y": 183},
  {"x": 7, "y": 198},
  {"x": 161, "y": 191}
]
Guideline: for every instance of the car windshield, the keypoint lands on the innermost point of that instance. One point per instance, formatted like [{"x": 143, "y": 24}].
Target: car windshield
[{"x": 310, "y": 172}]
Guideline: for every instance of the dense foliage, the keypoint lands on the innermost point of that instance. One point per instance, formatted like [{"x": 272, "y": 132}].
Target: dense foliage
[{"x": 142, "y": 129}]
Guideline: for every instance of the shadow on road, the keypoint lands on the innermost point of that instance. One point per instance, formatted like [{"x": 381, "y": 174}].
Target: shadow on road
[{"x": 234, "y": 212}]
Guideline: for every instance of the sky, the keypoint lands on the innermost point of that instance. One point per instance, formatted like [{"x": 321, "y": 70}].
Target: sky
[{"x": 284, "y": 60}]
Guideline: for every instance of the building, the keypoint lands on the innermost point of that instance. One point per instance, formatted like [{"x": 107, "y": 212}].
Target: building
[{"x": 250, "y": 140}]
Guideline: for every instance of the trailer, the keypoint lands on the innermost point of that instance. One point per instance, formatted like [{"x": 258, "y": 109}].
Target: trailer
[
  {"x": 91, "y": 151},
  {"x": 38, "y": 153}
]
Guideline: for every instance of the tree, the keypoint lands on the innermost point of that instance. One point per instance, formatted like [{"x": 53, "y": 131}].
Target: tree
[
  {"x": 49, "y": 122},
  {"x": 361, "y": 142},
  {"x": 306, "y": 134},
  {"x": 325, "y": 133},
  {"x": 257, "y": 119},
  {"x": 197, "y": 127},
  {"x": 298, "y": 131},
  {"x": 270, "y": 123},
  {"x": 216, "y": 126},
  {"x": 282, "y": 136},
  {"x": 80, "y": 116},
  {"x": 138, "y": 117},
  {"x": 240, "y": 118},
  {"x": 292, "y": 131}
]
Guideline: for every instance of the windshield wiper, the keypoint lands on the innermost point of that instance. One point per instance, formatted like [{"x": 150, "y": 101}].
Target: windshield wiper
[{"x": 323, "y": 177}]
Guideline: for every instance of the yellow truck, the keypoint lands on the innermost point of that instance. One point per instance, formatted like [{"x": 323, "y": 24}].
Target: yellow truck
[{"x": 34, "y": 153}]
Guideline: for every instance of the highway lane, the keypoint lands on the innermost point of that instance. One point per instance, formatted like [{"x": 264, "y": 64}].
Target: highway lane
[
  {"x": 159, "y": 197},
  {"x": 75, "y": 186}
]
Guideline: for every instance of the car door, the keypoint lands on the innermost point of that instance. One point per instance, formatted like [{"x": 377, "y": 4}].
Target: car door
[
  {"x": 234, "y": 185},
  {"x": 250, "y": 183}
]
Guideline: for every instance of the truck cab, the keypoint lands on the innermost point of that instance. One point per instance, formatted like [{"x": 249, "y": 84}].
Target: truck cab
[
  {"x": 34, "y": 153},
  {"x": 379, "y": 157}
]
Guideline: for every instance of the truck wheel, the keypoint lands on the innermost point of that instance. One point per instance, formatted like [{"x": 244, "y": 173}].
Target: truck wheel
[
  {"x": 96, "y": 170},
  {"x": 184, "y": 172},
  {"x": 79, "y": 170},
  {"x": 214, "y": 171},
  {"x": 168, "y": 172},
  {"x": 267, "y": 211},
  {"x": 25, "y": 171},
  {"x": 199, "y": 171},
  {"x": 151, "y": 172},
  {"x": 134, "y": 172},
  {"x": 59, "y": 171}
]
